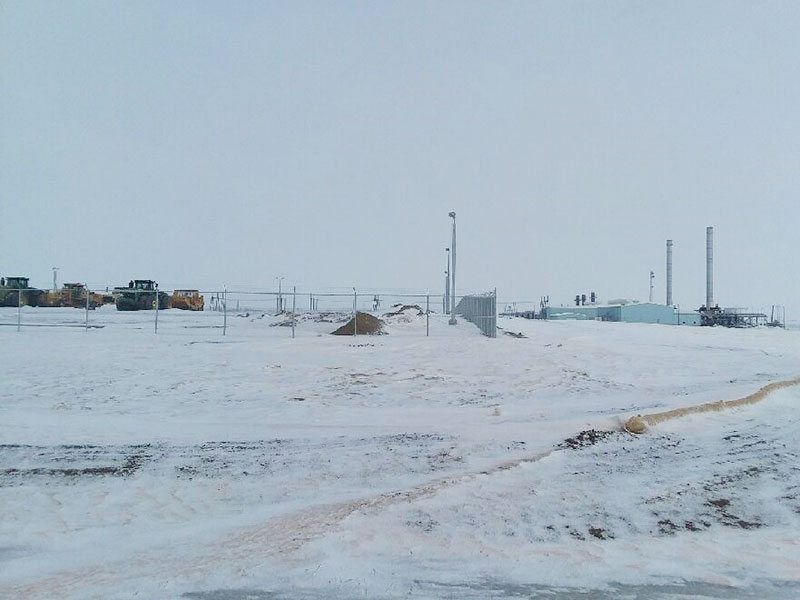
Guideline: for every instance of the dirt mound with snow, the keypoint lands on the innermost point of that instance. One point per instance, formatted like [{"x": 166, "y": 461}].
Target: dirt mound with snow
[
  {"x": 321, "y": 317},
  {"x": 404, "y": 313},
  {"x": 364, "y": 323}
]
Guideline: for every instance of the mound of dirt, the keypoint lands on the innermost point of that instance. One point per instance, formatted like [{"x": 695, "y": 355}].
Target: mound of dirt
[
  {"x": 402, "y": 309},
  {"x": 321, "y": 317},
  {"x": 365, "y": 324}
]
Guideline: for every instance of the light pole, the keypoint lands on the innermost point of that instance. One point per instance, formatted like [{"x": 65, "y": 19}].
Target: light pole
[
  {"x": 447, "y": 283},
  {"x": 279, "y": 301},
  {"x": 652, "y": 275},
  {"x": 55, "y": 287},
  {"x": 452, "y": 320}
]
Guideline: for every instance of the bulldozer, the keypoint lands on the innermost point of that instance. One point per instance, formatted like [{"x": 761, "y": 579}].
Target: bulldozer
[
  {"x": 15, "y": 290},
  {"x": 73, "y": 295},
  {"x": 141, "y": 294},
  {"x": 187, "y": 300}
]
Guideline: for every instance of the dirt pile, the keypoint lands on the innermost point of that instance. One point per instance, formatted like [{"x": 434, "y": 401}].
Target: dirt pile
[
  {"x": 404, "y": 313},
  {"x": 402, "y": 309},
  {"x": 364, "y": 323},
  {"x": 321, "y": 317}
]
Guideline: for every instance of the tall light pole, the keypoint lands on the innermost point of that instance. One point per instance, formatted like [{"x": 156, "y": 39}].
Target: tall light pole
[
  {"x": 452, "y": 320},
  {"x": 55, "y": 287},
  {"x": 652, "y": 275},
  {"x": 279, "y": 301},
  {"x": 447, "y": 283}
]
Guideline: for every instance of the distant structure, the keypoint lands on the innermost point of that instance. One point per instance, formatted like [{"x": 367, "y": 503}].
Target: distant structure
[
  {"x": 711, "y": 314},
  {"x": 622, "y": 311},
  {"x": 669, "y": 273},
  {"x": 709, "y": 267},
  {"x": 632, "y": 311}
]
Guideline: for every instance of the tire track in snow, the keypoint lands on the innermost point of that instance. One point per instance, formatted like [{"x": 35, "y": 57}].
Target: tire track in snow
[
  {"x": 283, "y": 535},
  {"x": 280, "y": 536}
]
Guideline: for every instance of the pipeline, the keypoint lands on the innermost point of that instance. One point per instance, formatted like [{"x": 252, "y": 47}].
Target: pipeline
[{"x": 639, "y": 423}]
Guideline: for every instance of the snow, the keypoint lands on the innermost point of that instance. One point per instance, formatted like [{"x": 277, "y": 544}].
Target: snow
[{"x": 190, "y": 464}]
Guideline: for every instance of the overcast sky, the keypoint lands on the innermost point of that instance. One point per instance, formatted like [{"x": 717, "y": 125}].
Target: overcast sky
[{"x": 210, "y": 143}]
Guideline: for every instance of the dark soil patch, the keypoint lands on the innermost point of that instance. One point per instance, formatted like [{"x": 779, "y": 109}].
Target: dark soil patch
[
  {"x": 747, "y": 524},
  {"x": 600, "y": 534},
  {"x": 364, "y": 324},
  {"x": 720, "y": 503},
  {"x": 667, "y": 526},
  {"x": 129, "y": 467},
  {"x": 586, "y": 438},
  {"x": 519, "y": 335}
]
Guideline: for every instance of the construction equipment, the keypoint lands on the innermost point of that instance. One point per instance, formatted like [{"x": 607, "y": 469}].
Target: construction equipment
[
  {"x": 141, "y": 294},
  {"x": 102, "y": 298},
  {"x": 187, "y": 300},
  {"x": 72, "y": 295},
  {"x": 15, "y": 290}
]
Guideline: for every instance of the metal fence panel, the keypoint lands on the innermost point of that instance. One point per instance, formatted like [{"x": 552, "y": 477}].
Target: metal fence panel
[{"x": 481, "y": 311}]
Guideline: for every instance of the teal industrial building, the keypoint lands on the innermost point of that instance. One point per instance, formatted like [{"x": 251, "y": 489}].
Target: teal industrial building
[{"x": 632, "y": 312}]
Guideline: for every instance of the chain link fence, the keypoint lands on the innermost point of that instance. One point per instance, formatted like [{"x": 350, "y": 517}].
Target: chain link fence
[
  {"x": 480, "y": 310},
  {"x": 224, "y": 310}
]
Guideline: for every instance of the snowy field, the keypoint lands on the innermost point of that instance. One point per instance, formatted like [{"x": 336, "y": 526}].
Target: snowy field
[{"x": 188, "y": 465}]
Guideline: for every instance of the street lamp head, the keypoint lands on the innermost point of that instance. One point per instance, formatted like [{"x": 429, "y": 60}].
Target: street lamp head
[
  {"x": 452, "y": 214},
  {"x": 447, "y": 249}
]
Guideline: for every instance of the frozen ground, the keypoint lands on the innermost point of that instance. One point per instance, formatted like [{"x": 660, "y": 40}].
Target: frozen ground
[{"x": 192, "y": 465}]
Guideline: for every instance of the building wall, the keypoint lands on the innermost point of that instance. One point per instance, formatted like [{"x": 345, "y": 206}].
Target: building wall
[
  {"x": 642, "y": 312},
  {"x": 580, "y": 313},
  {"x": 692, "y": 318},
  {"x": 648, "y": 313}
]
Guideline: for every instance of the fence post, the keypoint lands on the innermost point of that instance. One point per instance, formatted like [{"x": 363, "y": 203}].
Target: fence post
[
  {"x": 494, "y": 314},
  {"x": 86, "y": 289},
  {"x": 294, "y": 305},
  {"x": 224, "y": 310},
  {"x": 157, "y": 303},
  {"x": 427, "y": 315},
  {"x": 19, "y": 309}
]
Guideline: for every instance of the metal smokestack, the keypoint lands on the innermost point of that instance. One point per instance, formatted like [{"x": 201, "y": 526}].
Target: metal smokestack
[
  {"x": 669, "y": 272},
  {"x": 709, "y": 267}
]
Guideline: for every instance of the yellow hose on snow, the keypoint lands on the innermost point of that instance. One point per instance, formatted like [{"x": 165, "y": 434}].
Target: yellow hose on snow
[{"x": 639, "y": 423}]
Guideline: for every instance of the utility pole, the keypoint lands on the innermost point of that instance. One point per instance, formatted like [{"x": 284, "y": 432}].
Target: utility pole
[
  {"x": 452, "y": 320},
  {"x": 55, "y": 287},
  {"x": 279, "y": 300},
  {"x": 447, "y": 283}
]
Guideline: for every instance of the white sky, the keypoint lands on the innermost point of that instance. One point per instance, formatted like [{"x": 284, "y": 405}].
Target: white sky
[{"x": 202, "y": 143}]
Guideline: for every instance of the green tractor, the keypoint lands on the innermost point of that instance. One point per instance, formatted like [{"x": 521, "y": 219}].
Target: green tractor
[
  {"x": 141, "y": 294},
  {"x": 15, "y": 290}
]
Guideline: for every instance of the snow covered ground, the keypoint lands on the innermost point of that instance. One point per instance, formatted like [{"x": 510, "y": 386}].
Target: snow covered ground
[{"x": 191, "y": 465}]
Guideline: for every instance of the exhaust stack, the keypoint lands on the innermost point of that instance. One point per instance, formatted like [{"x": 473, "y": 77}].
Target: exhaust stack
[
  {"x": 669, "y": 272},
  {"x": 709, "y": 267}
]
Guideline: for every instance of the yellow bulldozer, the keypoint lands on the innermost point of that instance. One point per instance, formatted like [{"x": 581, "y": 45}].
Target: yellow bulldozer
[
  {"x": 186, "y": 300},
  {"x": 74, "y": 295}
]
